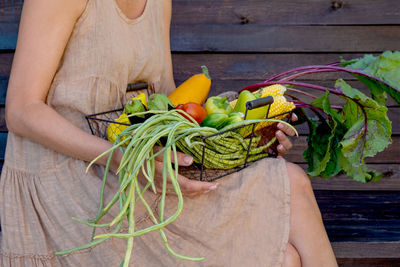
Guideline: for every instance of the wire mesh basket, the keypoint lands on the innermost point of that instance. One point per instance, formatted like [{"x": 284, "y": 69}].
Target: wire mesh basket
[
  {"x": 233, "y": 155},
  {"x": 230, "y": 159},
  {"x": 99, "y": 122}
]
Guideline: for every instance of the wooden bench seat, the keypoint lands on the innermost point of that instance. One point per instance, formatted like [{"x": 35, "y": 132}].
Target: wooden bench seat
[{"x": 244, "y": 42}]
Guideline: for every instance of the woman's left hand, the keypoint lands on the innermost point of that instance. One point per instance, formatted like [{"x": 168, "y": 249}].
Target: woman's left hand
[{"x": 282, "y": 136}]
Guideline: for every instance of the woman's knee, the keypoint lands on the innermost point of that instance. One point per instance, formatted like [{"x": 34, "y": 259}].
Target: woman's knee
[
  {"x": 299, "y": 180},
  {"x": 291, "y": 257}
]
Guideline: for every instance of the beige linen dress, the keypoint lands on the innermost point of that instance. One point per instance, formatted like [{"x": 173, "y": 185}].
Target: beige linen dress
[{"x": 243, "y": 223}]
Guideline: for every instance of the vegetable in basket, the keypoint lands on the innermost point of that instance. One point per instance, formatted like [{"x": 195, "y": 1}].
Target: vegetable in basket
[
  {"x": 234, "y": 117},
  {"x": 197, "y": 112},
  {"x": 215, "y": 120},
  {"x": 132, "y": 107},
  {"x": 115, "y": 129},
  {"x": 195, "y": 89},
  {"x": 159, "y": 102},
  {"x": 141, "y": 97},
  {"x": 217, "y": 104},
  {"x": 221, "y": 120}
]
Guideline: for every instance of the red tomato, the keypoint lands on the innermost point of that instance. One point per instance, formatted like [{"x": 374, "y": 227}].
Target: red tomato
[{"x": 193, "y": 109}]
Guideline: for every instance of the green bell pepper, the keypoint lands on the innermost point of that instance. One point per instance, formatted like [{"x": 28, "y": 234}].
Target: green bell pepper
[{"x": 216, "y": 104}]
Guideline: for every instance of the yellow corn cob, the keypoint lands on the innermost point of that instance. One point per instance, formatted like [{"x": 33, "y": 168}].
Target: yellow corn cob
[
  {"x": 279, "y": 106},
  {"x": 273, "y": 90}
]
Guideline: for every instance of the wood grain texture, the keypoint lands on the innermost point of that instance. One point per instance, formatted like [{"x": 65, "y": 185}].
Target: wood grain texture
[
  {"x": 8, "y": 35},
  {"x": 10, "y": 10},
  {"x": 257, "y": 66},
  {"x": 3, "y": 126},
  {"x": 360, "y": 216},
  {"x": 256, "y": 38},
  {"x": 367, "y": 250},
  {"x": 5, "y": 64},
  {"x": 5, "y": 68},
  {"x": 286, "y": 12},
  {"x": 365, "y": 262},
  {"x": 389, "y": 182},
  {"x": 3, "y": 142}
]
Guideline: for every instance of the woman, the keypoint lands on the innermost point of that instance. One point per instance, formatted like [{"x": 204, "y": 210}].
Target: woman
[{"x": 75, "y": 57}]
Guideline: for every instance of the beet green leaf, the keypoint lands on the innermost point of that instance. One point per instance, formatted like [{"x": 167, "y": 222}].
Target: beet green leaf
[
  {"x": 369, "y": 132},
  {"x": 323, "y": 141},
  {"x": 385, "y": 67}
]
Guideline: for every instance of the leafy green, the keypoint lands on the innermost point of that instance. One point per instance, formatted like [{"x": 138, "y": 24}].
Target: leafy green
[
  {"x": 159, "y": 102},
  {"x": 376, "y": 122},
  {"x": 338, "y": 130},
  {"x": 323, "y": 140},
  {"x": 342, "y": 141},
  {"x": 369, "y": 132},
  {"x": 317, "y": 152},
  {"x": 385, "y": 67}
]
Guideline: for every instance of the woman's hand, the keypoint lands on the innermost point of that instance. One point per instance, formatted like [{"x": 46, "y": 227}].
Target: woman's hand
[
  {"x": 282, "y": 136},
  {"x": 188, "y": 187}
]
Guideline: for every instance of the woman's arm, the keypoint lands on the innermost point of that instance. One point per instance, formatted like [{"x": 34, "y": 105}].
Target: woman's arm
[{"x": 45, "y": 28}]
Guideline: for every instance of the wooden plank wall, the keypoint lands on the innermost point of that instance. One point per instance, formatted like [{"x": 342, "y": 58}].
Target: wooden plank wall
[{"x": 243, "y": 42}]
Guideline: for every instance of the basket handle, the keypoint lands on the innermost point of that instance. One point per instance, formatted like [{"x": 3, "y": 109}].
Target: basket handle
[
  {"x": 136, "y": 86},
  {"x": 259, "y": 102}
]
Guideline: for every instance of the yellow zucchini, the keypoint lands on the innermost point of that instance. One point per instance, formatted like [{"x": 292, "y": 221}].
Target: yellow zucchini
[{"x": 195, "y": 89}]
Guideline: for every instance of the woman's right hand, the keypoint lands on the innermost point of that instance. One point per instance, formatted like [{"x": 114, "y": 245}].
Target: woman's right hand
[{"x": 189, "y": 188}]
